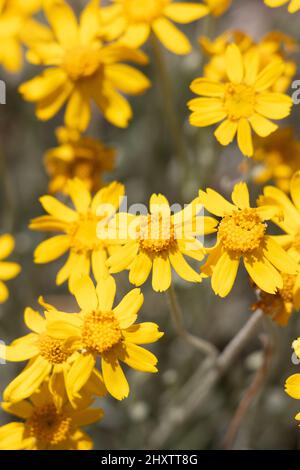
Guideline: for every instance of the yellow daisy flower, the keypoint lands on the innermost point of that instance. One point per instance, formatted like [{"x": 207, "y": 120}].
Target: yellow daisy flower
[
  {"x": 157, "y": 242},
  {"x": 48, "y": 359},
  {"x": 293, "y": 5},
  {"x": 8, "y": 270},
  {"x": 80, "y": 157},
  {"x": 81, "y": 69},
  {"x": 243, "y": 102},
  {"x": 46, "y": 426},
  {"x": 278, "y": 157},
  {"x": 17, "y": 27},
  {"x": 218, "y": 7},
  {"x": 101, "y": 330},
  {"x": 132, "y": 21},
  {"x": 79, "y": 227},
  {"x": 273, "y": 46},
  {"x": 242, "y": 234}
]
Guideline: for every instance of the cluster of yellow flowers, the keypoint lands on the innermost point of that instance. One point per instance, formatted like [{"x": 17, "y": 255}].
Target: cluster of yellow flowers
[{"x": 75, "y": 357}]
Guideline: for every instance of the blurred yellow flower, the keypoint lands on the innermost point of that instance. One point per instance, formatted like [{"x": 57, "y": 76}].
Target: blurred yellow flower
[
  {"x": 80, "y": 157},
  {"x": 159, "y": 241},
  {"x": 278, "y": 157},
  {"x": 79, "y": 227},
  {"x": 132, "y": 21},
  {"x": 17, "y": 27},
  {"x": 82, "y": 69},
  {"x": 46, "y": 426},
  {"x": 293, "y": 5},
  {"x": 242, "y": 234},
  {"x": 101, "y": 330},
  {"x": 273, "y": 46},
  {"x": 8, "y": 270},
  {"x": 218, "y": 7},
  {"x": 49, "y": 359},
  {"x": 292, "y": 384},
  {"x": 243, "y": 102}
]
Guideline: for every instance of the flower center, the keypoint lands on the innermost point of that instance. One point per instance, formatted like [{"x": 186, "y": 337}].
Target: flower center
[
  {"x": 239, "y": 101},
  {"x": 287, "y": 292},
  {"x": 242, "y": 231},
  {"x": 81, "y": 62},
  {"x": 156, "y": 234},
  {"x": 100, "y": 332},
  {"x": 84, "y": 233},
  {"x": 49, "y": 426},
  {"x": 53, "y": 350},
  {"x": 144, "y": 10}
]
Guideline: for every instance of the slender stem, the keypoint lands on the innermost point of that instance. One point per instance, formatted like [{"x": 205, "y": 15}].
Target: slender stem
[{"x": 204, "y": 346}]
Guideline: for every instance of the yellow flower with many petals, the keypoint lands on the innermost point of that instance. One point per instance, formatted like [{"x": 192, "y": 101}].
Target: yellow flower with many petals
[
  {"x": 8, "y": 270},
  {"x": 242, "y": 234},
  {"x": 80, "y": 157},
  {"x": 17, "y": 27},
  {"x": 243, "y": 102},
  {"x": 278, "y": 157},
  {"x": 79, "y": 227},
  {"x": 46, "y": 426},
  {"x": 101, "y": 330},
  {"x": 157, "y": 242},
  {"x": 132, "y": 21},
  {"x": 81, "y": 69},
  {"x": 293, "y": 5},
  {"x": 49, "y": 359},
  {"x": 273, "y": 46},
  {"x": 218, "y": 7}
]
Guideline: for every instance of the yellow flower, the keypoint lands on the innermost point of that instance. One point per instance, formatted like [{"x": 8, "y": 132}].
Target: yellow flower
[
  {"x": 82, "y": 70},
  {"x": 46, "y": 426},
  {"x": 273, "y": 46},
  {"x": 292, "y": 384},
  {"x": 157, "y": 242},
  {"x": 49, "y": 359},
  {"x": 8, "y": 270},
  {"x": 278, "y": 157},
  {"x": 77, "y": 156},
  {"x": 132, "y": 21},
  {"x": 290, "y": 223},
  {"x": 244, "y": 101},
  {"x": 218, "y": 7},
  {"x": 242, "y": 234},
  {"x": 100, "y": 330},
  {"x": 17, "y": 27},
  {"x": 79, "y": 227},
  {"x": 294, "y": 5}
]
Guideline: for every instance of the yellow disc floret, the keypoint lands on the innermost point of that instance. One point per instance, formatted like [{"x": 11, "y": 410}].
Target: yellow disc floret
[
  {"x": 84, "y": 233},
  {"x": 49, "y": 426},
  {"x": 287, "y": 292},
  {"x": 81, "y": 62},
  {"x": 156, "y": 234},
  {"x": 53, "y": 350},
  {"x": 100, "y": 332},
  {"x": 239, "y": 101}
]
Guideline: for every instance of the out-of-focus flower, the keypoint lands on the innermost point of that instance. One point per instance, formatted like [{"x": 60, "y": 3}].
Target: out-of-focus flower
[
  {"x": 49, "y": 359},
  {"x": 292, "y": 384},
  {"x": 101, "y": 330},
  {"x": 273, "y": 46},
  {"x": 243, "y": 102},
  {"x": 218, "y": 7},
  {"x": 132, "y": 21},
  {"x": 80, "y": 157},
  {"x": 158, "y": 242},
  {"x": 79, "y": 227},
  {"x": 242, "y": 234},
  {"x": 81, "y": 70},
  {"x": 46, "y": 426},
  {"x": 8, "y": 270},
  {"x": 17, "y": 27},
  {"x": 293, "y": 5},
  {"x": 278, "y": 157}
]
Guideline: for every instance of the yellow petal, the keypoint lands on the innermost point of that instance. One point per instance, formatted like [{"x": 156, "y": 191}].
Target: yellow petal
[
  {"x": 138, "y": 358},
  {"x": 100, "y": 269},
  {"x": 114, "y": 378},
  {"x": 63, "y": 21},
  {"x": 19, "y": 352},
  {"x": 273, "y": 105},
  {"x": 80, "y": 195},
  {"x": 142, "y": 333},
  {"x": 261, "y": 271},
  {"x": 9, "y": 270},
  {"x": 295, "y": 189},
  {"x": 140, "y": 269},
  {"x": 161, "y": 274},
  {"x": 262, "y": 126},
  {"x": 205, "y": 87},
  {"x": 7, "y": 244},
  {"x": 79, "y": 373},
  {"x": 245, "y": 138},
  {"x": 292, "y": 386},
  {"x": 279, "y": 257},
  {"x": 173, "y": 39},
  {"x": 127, "y": 310},
  {"x": 240, "y": 196},
  {"x": 23, "y": 409},
  {"x": 85, "y": 293},
  {"x": 58, "y": 209},
  {"x": 224, "y": 274},
  {"x": 88, "y": 416},
  {"x": 215, "y": 203},
  {"x": 127, "y": 79},
  {"x": 106, "y": 292},
  {"x": 182, "y": 268},
  {"x": 269, "y": 75},
  {"x": 51, "y": 249},
  {"x": 226, "y": 132},
  {"x": 234, "y": 64}
]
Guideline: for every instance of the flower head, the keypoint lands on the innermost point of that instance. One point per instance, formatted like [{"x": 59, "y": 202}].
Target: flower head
[
  {"x": 158, "y": 241},
  {"x": 82, "y": 69},
  {"x": 80, "y": 157},
  {"x": 242, "y": 234},
  {"x": 8, "y": 270},
  {"x": 79, "y": 227},
  {"x": 101, "y": 330},
  {"x": 47, "y": 426},
  {"x": 293, "y": 5},
  {"x": 132, "y": 21},
  {"x": 243, "y": 102},
  {"x": 49, "y": 359}
]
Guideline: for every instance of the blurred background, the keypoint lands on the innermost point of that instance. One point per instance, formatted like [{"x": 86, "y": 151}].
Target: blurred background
[{"x": 161, "y": 411}]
